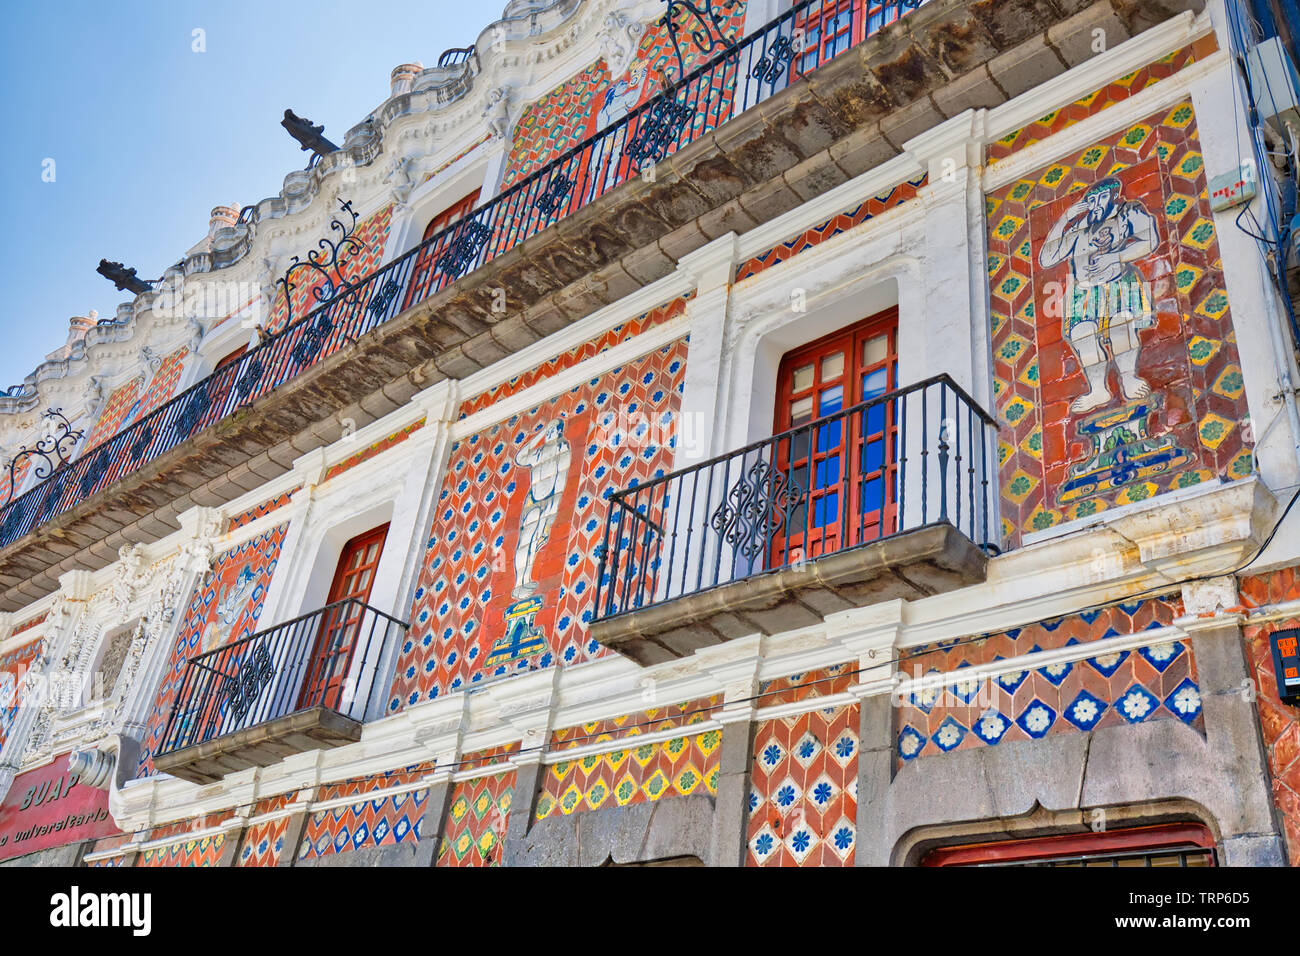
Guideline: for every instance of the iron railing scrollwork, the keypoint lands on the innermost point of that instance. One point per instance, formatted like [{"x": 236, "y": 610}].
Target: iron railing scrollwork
[
  {"x": 704, "y": 23},
  {"x": 915, "y": 457},
  {"x": 347, "y": 308},
  {"x": 327, "y": 261},
  {"x": 51, "y": 452},
  {"x": 328, "y": 658}
]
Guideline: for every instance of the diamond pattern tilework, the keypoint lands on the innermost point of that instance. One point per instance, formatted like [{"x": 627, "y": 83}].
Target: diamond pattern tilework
[
  {"x": 13, "y": 669},
  {"x": 842, "y": 222},
  {"x": 591, "y": 99},
  {"x": 1152, "y": 683},
  {"x": 378, "y": 448},
  {"x": 372, "y": 232},
  {"x": 803, "y": 801},
  {"x": 19, "y": 474},
  {"x": 257, "y": 511},
  {"x": 202, "y": 851},
  {"x": 633, "y": 725},
  {"x": 601, "y": 343},
  {"x": 476, "y": 821},
  {"x": 126, "y": 404},
  {"x": 1280, "y": 723},
  {"x": 381, "y": 821},
  {"x": 1056, "y": 463},
  {"x": 795, "y": 687},
  {"x": 491, "y": 755},
  {"x": 468, "y": 575},
  {"x": 640, "y": 774},
  {"x": 243, "y": 573},
  {"x": 115, "y": 411},
  {"x": 1099, "y": 100},
  {"x": 263, "y": 843}
]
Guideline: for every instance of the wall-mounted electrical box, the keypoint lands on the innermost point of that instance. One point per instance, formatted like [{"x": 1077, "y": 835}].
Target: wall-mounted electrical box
[
  {"x": 1274, "y": 84},
  {"x": 1232, "y": 189},
  {"x": 1286, "y": 665}
]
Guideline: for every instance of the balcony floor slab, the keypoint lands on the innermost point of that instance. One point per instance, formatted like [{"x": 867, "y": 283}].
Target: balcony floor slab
[{"x": 914, "y": 564}]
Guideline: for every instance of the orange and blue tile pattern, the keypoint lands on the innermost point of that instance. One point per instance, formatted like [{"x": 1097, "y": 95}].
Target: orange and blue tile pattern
[
  {"x": 13, "y": 669},
  {"x": 804, "y": 789},
  {"x": 580, "y": 353},
  {"x": 224, "y": 608},
  {"x": 842, "y": 222},
  {"x": 1280, "y": 723},
  {"x": 477, "y": 814},
  {"x": 1157, "y": 682},
  {"x": 385, "y": 820},
  {"x": 257, "y": 511},
  {"x": 465, "y": 588},
  {"x": 263, "y": 843},
  {"x": 591, "y": 100},
  {"x": 378, "y": 448}
]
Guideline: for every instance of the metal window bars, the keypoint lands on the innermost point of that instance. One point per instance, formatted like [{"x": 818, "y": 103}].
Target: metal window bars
[
  {"x": 918, "y": 456},
  {"x": 328, "y": 658},
  {"x": 745, "y": 73}
]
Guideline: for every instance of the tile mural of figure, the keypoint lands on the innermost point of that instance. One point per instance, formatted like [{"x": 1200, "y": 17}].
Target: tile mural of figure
[
  {"x": 1108, "y": 300},
  {"x": 546, "y": 456}
]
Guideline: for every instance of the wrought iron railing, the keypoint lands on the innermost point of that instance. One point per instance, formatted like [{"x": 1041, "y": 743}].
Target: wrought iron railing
[
  {"x": 327, "y": 658},
  {"x": 745, "y": 73},
  {"x": 920, "y": 456}
]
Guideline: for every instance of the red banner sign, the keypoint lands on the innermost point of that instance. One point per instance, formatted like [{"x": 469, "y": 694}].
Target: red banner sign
[{"x": 49, "y": 807}]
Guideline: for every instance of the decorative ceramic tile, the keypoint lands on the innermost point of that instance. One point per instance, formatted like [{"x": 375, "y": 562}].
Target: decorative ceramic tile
[
  {"x": 477, "y": 814},
  {"x": 804, "y": 793},
  {"x": 382, "y": 821},
  {"x": 592, "y": 100},
  {"x": 477, "y": 759},
  {"x": 1151, "y": 683},
  {"x": 13, "y": 669},
  {"x": 634, "y": 725},
  {"x": 509, "y": 578},
  {"x": 263, "y": 843},
  {"x": 1280, "y": 723},
  {"x": 640, "y": 774},
  {"x": 1095, "y": 102},
  {"x": 224, "y": 608},
  {"x": 200, "y": 851},
  {"x": 1115, "y": 374},
  {"x": 565, "y": 360},
  {"x": 842, "y": 222},
  {"x": 795, "y": 687},
  {"x": 257, "y": 511},
  {"x": 379, "y": 447},
  {"x": 371, "y": 235}
]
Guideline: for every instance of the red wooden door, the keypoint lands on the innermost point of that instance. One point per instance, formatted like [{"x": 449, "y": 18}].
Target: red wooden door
[
  {"x": 845, "y": 465},
  {"x": 424, "y": 275},
  {"x": 332, "y": 655}
]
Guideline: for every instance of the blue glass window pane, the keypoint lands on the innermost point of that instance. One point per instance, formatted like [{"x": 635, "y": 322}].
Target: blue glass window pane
[
  {"x": 873, "y": 456},
  {"x": 874, "y": 384},
  {"x": 831, "y": 400},
  {"x": 828, "y": 472},
  {"x": 871, "y": 494},
  {"x": 828, "y": 436},
  {"x": 826, "y": 510},
  {"x": 876, "y": 418}
]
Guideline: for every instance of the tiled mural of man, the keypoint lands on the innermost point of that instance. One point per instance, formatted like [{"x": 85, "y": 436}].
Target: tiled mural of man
[
  {"x": 546, "y": 456},
  {"x": 1108, "y": 299}
]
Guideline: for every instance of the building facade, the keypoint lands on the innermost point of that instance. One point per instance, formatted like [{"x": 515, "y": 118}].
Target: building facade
[{"x": 739, "y": 433}]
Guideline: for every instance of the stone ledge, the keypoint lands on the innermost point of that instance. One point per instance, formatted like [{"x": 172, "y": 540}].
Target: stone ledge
[
  {"x": 914, "y": 564},
  {"x": 264, "y": 745}
]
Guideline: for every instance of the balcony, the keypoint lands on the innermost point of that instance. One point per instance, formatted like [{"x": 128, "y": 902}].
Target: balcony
[
  {"x": 302, "y": 685},
  {"x": 887, "y": 499},
  {"x": 736, "y": 142}
]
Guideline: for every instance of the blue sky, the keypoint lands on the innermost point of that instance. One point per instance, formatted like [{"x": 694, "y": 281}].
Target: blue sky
[{"x": 147, "y": 135}]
